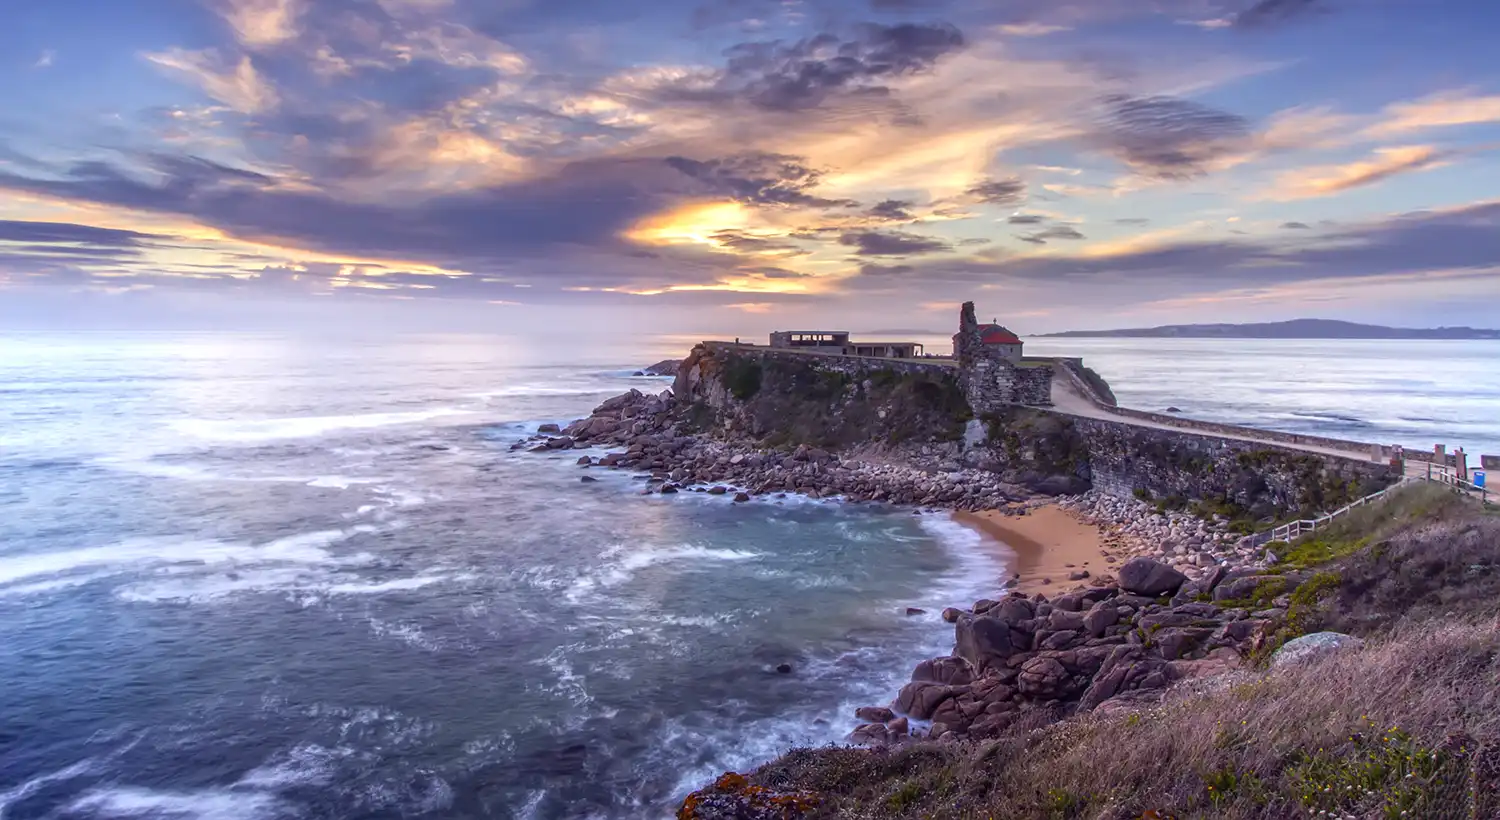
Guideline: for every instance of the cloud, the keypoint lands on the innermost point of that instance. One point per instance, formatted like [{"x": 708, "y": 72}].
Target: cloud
[
  {"x": 1295, "y": 226},
  {"x": 237, "y": 85},
  {"x": 999, "y": 191},
  {"x": 1026, "y": 219},
  {"x": 67, "y": 232},
  {"x": 1269, "y": 13},
  {"x": 1031, "y": 29},
  {"x": 46, "y": 60},
  {"x": 894, "y": 210},
  {"x": 261, "y": 23},
  {"x": 1439, "y": 110},
  {"x": 892, "y": 243},
  {"x": 873, "y": 269},
  {"x": 1133, "y": 220},
  {"x": 1056, "y": 232},
  {"x": 778, "y": 77},
  {"x": 1305, "y": 183},
  {"x": 758, "y": 178},
  {"x": 1169, "y": 138}
]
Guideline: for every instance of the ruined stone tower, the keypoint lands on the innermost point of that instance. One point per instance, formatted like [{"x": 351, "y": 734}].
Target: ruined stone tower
[{"x": 988, "y": 378}]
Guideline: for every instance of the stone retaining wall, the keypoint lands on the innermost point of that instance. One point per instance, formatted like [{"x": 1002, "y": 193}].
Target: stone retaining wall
[
  {"x": 1125, "y": 458},
  {"x": 852, "y": 366}
]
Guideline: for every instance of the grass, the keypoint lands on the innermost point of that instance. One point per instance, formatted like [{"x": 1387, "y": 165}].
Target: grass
[{"x": 1411, "y": 724}]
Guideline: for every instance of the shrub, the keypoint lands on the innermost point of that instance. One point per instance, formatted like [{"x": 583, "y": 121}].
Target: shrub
[{"x": 742, "y": 376}]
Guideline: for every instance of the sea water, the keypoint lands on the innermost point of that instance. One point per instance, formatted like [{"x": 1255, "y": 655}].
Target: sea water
[{"x": 266, "y": 576}]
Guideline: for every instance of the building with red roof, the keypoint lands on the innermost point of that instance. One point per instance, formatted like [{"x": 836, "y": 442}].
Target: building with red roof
[{"x": 995, "y": 337}]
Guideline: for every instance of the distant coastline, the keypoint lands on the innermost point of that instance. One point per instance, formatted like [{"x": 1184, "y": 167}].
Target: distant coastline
[{"x": 1294, "y": 329}]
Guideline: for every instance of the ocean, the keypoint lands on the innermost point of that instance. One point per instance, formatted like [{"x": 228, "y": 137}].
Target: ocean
[{"x": 279, "y": 576}]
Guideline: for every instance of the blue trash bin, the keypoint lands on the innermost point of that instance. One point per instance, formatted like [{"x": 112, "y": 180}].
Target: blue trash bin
[{"x": 1478, "y": 476}]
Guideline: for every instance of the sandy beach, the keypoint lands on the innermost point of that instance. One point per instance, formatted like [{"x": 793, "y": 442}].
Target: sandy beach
[{"x": 1049, "y": 544}]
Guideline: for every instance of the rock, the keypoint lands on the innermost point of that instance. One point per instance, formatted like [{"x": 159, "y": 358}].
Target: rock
[
  {"x": 921, "y": 699},
  {"x": 983, "y": 641},
  {"x": 1100, "y": 617},
  {"x": 719, "y": 490},
  {"x": 951, "y": 615},
  {"x": 899, "y": 727},
  {"x": 559, "y": 443},
  {"x": 1063, "y": 619},
  {"x": 867, "y": 734},
  {"x": 668, "y": 489},
  {"x": 740, "y": 498},
  {"x": 875, "y": 714},
  {"x": 1174, "y": 410},
  {"x": 951, "y": 671},
  {"x": 585, "y": 461},
  {"x": 1078, "y": 576},
  {"x": 588, "y": 479},
  {"x": 1149, "y": 577},
  {"x": 1174, "y": 642},
  {"x": 549, "y": 428},
  {"x": 911, "y": 610},
  {"x": 784, "y": 668},
  {"x": 1042, "y": 677},
  {"x": 1308, "y": 646}
]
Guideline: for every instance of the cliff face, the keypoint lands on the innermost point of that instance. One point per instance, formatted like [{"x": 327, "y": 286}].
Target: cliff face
[
  {"x": 916, "y": 413},
  {"x": 911, "y": 412}
]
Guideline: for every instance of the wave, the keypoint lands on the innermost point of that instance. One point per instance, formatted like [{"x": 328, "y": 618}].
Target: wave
[
  {"x": 35, "y": 784},
  {"x": 259, "y": 430},
  {"x": 526, "y": 390},
  {"x": 201, "y": 804},
  {"x": 624, "y": 569}
]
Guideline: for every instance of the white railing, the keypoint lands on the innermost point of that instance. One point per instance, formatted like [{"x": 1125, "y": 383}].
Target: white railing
[{"x": 1295, "y": 529}]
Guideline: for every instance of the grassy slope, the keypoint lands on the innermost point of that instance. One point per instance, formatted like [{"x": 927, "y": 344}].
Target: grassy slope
[{"x": 1409, "y": 727}]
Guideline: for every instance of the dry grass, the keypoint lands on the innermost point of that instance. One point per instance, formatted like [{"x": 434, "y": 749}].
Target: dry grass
[{"x": 1410, "y": 724}]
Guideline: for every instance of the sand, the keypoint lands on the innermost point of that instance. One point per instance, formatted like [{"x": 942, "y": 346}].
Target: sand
[{"x": 1047, "y": 545}]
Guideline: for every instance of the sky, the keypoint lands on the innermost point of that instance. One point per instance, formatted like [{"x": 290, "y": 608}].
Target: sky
[{"x": 745, "y": 165}]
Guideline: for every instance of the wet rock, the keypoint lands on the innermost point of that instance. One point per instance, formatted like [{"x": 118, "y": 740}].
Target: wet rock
[
  {"x": 718, "y": 490},
  {"x": 549, "y": 428},
  {"x": 911, "y": 610},
  {"x": 875, "y": 714},
  {"x": 784, "y": 668},
  {"x": 585, "y": 461},
  {"x": 740, "y": 498},
  {"x": 588, "y": 479},
  {"x": 951, "y": 614}
]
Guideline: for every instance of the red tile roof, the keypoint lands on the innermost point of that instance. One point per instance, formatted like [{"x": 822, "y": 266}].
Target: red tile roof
[{"x": 997, "y": 335}]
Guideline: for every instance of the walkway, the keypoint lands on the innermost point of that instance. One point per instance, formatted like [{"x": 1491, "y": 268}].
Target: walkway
[{"x": 1067, "y": 399}]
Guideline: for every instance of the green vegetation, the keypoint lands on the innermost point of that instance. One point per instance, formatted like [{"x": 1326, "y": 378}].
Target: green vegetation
[{"x": 742, "y": 376}]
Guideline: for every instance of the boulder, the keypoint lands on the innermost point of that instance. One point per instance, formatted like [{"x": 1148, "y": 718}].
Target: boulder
[
  {"x": 921, "y": 699},
  {"x": 588, "y": 479},
  {"x": 950, "y": 670},
  {"x": 1309, "y": 646},
  {"x": 951, "y": 615},
  {"x": 983, "y": 641},
  {"x": 740, "y": 498},
  {"x": 1043, "y": 678},
  {"x": 1100, "y": 617},
  {"x": 1061, "y": 619},
  {"x": 549, "y": 428},
  {"x": 875, "y": 714},
  {"x": 1149, "y": 577}
]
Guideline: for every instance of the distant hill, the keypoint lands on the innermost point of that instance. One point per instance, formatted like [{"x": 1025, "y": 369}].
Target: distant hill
[{"x": 1294, "y": 329}]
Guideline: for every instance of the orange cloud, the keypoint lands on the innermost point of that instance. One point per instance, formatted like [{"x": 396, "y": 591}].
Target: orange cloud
[
  {"x": 240, "y": 86},
  {"x": 1305, "y": 183},
  {"x": 1438, "y": 110}
]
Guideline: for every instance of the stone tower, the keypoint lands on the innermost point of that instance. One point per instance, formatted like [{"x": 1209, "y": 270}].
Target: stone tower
[{"x": 968, "y": 345}]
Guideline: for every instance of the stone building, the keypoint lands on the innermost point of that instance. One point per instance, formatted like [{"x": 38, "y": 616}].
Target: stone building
[
  {"x": 991, "y": 371},
  {"x": 837, "y": 341},
  {"x": 995, "y": 336}
]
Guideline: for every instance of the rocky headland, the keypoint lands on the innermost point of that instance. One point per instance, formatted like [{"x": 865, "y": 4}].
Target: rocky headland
[{"x": 1184, "y": 598}]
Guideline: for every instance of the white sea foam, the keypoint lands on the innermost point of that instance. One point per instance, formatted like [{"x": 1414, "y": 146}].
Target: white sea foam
[
  {"x": 35, "y": 784},
  {"x": 304, "y": 764},
  {"x": 200, "y": 804},
  {"x": 243, "y": 430},
  {"x": 624, "y": 566}
]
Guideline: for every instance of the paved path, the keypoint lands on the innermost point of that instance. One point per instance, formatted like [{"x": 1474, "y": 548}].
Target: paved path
[{"x": 1067, "y": 399}]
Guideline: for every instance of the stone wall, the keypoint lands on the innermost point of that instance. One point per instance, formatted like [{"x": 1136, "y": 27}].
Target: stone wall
[{"x": 1126, "y": 459}]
